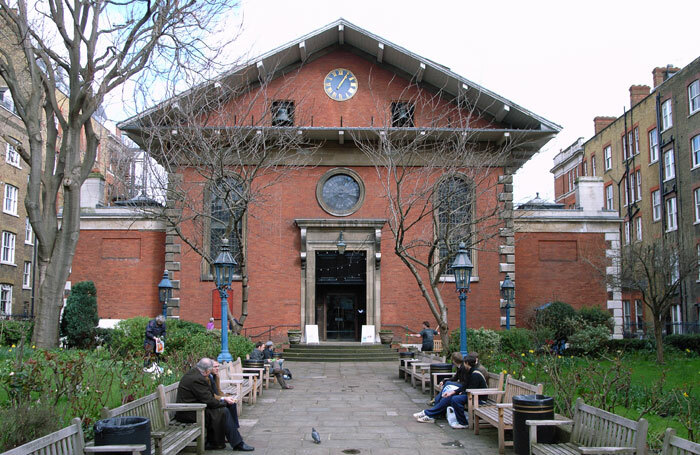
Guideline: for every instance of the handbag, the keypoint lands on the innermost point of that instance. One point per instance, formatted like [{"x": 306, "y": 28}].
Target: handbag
[{"x": 160, "y": 346}]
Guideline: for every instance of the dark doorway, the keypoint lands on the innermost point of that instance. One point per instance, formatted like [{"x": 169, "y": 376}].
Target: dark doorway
[{"x": 340, "y": 294}]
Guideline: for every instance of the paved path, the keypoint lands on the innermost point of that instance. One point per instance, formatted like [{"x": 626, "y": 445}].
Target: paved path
[{"x": 358, "y": 408}]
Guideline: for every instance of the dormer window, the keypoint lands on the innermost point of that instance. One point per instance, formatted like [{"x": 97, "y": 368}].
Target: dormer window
[
  {"x": 282, "y": 113},
  {"x": 402, "y": 114}
]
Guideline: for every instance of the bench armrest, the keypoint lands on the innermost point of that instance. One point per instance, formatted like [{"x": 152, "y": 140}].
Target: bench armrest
[
  {"x": 184, "y": 406},
  {"x": 231, "y": 381},
  {"x": 548, "y": 422},
  {"x": 253, "y": 369},
  {"x": 133, "y": 448},
  {"x": 244, "y": 375},
  {"x": 504, "y": 405},
  {"x": 603, "y": 450}
]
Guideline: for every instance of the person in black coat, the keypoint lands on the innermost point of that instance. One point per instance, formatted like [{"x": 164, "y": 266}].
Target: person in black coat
[
  {"x": 195, "y": 387},
  {"x": 154, "y": 330}
]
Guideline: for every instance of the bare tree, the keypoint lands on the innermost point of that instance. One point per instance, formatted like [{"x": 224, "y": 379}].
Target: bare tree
[
  {"x": 223, "y": 147},
  {"x": 656, "y": 270},
  {"x": 60, "y": 58},
  {"x": 441, "y": 182}
]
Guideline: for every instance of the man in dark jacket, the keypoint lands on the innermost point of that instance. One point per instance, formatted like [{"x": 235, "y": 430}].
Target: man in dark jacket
[
  {"x": 442, "y": 399},
  {"x": 194, "y": 387},
  {"x": 258, "y": 354},
  {"x": 155, "y": 330},
  {"x": 459, "y": 397}
]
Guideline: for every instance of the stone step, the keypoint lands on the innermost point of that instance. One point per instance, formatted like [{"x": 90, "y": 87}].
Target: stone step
[
  {"x": 342, "y": 359},
  {"x": 346, "y": 352}
]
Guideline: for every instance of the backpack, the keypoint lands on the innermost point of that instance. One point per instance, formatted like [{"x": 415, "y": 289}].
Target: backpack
[{"x": 286, "y": 374}]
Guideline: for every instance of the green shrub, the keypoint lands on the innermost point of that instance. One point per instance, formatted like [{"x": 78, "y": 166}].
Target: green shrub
[
  {"x": 628, "y": 344},
  {"x": 516, "y": 340},
  {"x": 13, "y": 331},
  {"x": 596, "y": 316},
  {"x": 483, "y": 341},
  {"x": 558, "y": 317},
  {"x": 589, "y": 340},
  {"x": 128, "y": 336},
  {"x": 103, "y": 337},
  {"x": 80, "y": 315},
  {"x": 24, "y": 424},
  {"x": 690, "y": 342}
]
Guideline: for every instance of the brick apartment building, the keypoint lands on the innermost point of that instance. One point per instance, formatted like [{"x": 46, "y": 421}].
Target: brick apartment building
[{"x": 650, "y": 176}]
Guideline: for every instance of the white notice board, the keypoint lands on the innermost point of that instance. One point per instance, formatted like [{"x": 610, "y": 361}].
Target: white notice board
[
  {"x": 311, "y": 334},
  {"x": 368, "y": 334}
]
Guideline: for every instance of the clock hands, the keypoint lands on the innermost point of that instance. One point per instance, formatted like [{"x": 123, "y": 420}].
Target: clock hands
[{"x": 341, "y": 82}]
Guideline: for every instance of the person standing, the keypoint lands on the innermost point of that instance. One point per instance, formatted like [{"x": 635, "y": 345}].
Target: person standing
[
  {"x": 210, "y": 324},
  {"x": 428, "y": 335},
  {"x": 195, "y": 387},
  {"x": 155, "y": 332}
]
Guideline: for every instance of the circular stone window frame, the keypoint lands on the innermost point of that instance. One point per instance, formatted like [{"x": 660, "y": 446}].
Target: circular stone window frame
[{"x": 338, "y": 171}]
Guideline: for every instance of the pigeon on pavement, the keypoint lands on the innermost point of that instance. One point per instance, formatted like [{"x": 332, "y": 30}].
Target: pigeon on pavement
[{"x": 315, "y": 436}]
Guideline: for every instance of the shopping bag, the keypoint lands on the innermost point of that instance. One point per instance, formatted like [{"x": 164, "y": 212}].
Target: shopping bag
[{"x": 160, "y": 346}]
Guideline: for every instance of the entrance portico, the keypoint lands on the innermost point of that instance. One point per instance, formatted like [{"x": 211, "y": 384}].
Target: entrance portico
[{"x": 334, "y": 301}]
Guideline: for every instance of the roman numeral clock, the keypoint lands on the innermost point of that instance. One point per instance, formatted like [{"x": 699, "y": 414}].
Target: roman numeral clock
[{"x": 340, "y": 84}]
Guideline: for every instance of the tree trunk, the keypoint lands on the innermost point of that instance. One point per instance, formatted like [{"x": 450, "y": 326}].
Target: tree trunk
[{"x": 659, "y": 340}]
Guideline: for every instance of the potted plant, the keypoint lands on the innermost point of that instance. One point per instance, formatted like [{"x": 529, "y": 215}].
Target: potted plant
[
  {"x": 385, "y": 336},
  {"x": 294, "y": 336}
]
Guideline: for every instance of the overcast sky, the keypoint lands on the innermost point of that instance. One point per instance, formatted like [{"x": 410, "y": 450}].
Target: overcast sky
[{"x": 566, "y": 61}]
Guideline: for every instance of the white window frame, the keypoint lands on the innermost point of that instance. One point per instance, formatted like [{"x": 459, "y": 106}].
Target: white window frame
[
  {"x": 607, "y": 154},
  {"x": 609, "y": 199},
  {"x": 666, "y": 115},
  {"x": 7, "y": 255},
  {"x": 694, "y": 96},
  {"x": 669, "y": 165},
  {"x": 627, "y": 233},
  {"x": 638, "y": 229},
  {"x": 626, "y": 315},
  {"x": 636, "y": 140},
  {"x": 626, "y": 193},
  {"x": 593, "y": 172},
  {"x": 6, "y": 299},
  {"x": 12, "y": 157},
  {"x": 676, "y": 319},
  {"x": 698, "y": 253},
  {"x": 696, "y": 194},
  {"x": 671, "y": 215},
  {"x": 638, "y": 181},
  {"x": 656, "y": 205},
  {"x": 28, "y": 232},
  {"x": 695, "y": 150},
  {"x": 27, "y": 276},
  {"x": 626, "y": 153},
  {"x": 653, "y": 146},
  {"x": 639, "y": 313},
  {"x": 9, "y": 205}
]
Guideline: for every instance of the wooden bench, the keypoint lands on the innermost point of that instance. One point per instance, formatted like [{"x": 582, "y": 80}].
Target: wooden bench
[
  {"x": 69, "y": 441},
  {"x": 500, "y": 415},
  {"x": 420, "y": 370},
  {"x": 494, "y": 385},
  {"x": 168, "y": 436},
  {"x": 673, "y": 445},
  {"x": 241, "y": 381},
  {"x": 594, "y": 432}
]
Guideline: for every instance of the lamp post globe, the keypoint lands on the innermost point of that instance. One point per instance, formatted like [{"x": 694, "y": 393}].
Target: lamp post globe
[
  {"x": 165, "y": 291},
  {"x": 224, "y": 268},
  {"x": 507, "y": 294},
  {"x": 462, "y": 268}
]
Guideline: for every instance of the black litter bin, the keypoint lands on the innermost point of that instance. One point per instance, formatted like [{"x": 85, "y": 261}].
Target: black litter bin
[
  {"x": 439, "y": 368},
  {"x": 531, "y": 407},
  {"x": 123, "y": 430}
]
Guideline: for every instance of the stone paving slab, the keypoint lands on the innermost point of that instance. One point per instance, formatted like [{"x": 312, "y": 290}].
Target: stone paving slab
[{"x": 357, "y": 408}]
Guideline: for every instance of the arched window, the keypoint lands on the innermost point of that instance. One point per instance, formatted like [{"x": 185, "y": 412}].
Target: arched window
[
  {"x": 226, "y": 210},
  {"x": 455, "y": 201}
]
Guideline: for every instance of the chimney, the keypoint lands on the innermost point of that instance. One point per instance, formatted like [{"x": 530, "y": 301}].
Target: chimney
[
  {"x": 590, "y": 193},
  {"x": 662, "y": 73},
  {"x": 638, "y": 93},
  {"x": 92, "y": 192},
  {"x": 601, "y": 122}
]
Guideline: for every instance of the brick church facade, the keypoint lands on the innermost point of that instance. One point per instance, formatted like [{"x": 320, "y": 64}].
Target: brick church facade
[{"x": 333, "y": 89}]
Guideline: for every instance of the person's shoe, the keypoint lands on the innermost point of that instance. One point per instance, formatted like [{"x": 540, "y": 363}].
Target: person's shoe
[
  {"x": 288, "y": 387},
  {"x": 243, "y": 447},
  {"x": 418, "y": 414},
  {"x": 459, "y": 426},
  {"x": 212, "y": 446},
  {"x": 425, "y": 419}
]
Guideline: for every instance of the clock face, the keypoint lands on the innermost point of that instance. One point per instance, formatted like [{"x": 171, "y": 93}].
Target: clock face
[
  {"x": 340, "y": 84},
  {"x": 340, "y": 192}
]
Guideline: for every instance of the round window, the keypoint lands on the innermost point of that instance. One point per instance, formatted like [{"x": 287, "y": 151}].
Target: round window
[{"x": 340, "y": 192}]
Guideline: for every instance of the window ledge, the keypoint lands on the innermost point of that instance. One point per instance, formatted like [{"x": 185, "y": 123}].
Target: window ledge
[
  {"x": 8, "y": 263},
  {"x": 695, "y": 167},
  {"x": 653, "y": 162},
  {"x": 28, "y": 243},
  {"x": 693, "y": 113},
  {"x": 26, "y": 287},
  {"x": 16, "y": 166},
  {"x": 10, "y": 213}
]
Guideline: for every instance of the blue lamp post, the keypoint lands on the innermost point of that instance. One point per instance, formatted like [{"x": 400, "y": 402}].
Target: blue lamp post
[
  {"x": 165, "y": 291},
  {"x": 224, "y": 267},
  {"x": 507, "y": 294},
  {"x": 462, "y": 268}
]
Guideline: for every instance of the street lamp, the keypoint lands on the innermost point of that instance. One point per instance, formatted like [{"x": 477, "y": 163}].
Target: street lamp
[
  {"x": 462, "y": 268},
  {"x": 341, "y": 245},
  {"x": 165, "y": 291},
  {"x": 507, "y": 294},
  {"x": 224, "y": 266}
]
